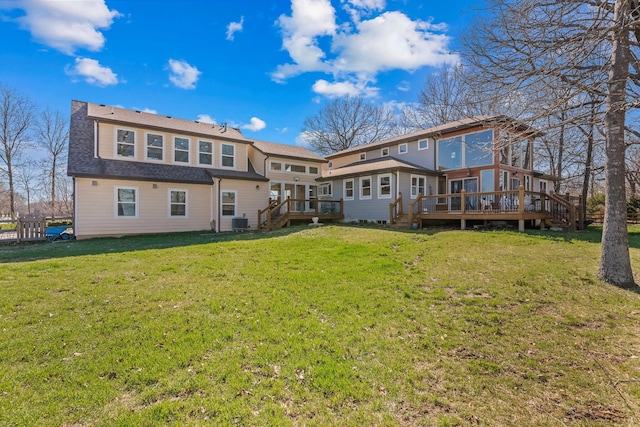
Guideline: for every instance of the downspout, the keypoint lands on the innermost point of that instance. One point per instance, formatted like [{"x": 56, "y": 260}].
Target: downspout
[
  {"x": 218, "y": 206},
  {"x": 265, "y": 166},
  {"x": 95, "y": 139}
]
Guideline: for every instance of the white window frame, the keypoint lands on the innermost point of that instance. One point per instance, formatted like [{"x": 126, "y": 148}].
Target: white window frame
[
  {"x": 325, "y": 189},
  {"x": 363, "y": 156},
  {"x": 415, "y": 189},
  {"x": 176, "y": 150},
  {"x": 406, "y": 148},
  {"x": 380, "y": 195},
  {"x": 231, "y": 156},
  {"x": 186, "y": 202},
  {"x": 200, "y": 152},
  {"x": 426, "y": 147},
  {"x": 384, "y": 152},
  {"x": 118, "y": 143},
  {"x": 147, "y": 147},
  {"x": 353, "y": 189},
  {"x": 288, "y": 167},
  {"x": 362, "y": 187},
  {"x": 222, "y": 204},
  {"x": 272, "y": 166},
  {"x": 136, "y": 202}
]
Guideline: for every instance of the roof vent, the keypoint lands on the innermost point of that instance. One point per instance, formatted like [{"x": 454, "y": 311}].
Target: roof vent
[{"x": 168, "y": 117}]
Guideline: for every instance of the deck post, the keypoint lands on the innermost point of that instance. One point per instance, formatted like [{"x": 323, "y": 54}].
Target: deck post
[
  {"x": 463, "y": 223},
  {"x": 521, "y": 225},
  {"x": 462, "y": 202},
  {"x": 521, "y": 200}
]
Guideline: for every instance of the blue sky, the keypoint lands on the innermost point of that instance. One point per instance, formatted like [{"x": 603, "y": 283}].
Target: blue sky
[{"x": 260, "y": 66}]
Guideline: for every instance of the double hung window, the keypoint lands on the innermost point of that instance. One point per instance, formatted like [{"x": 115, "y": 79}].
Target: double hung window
[{"x": 181, "y": 146}]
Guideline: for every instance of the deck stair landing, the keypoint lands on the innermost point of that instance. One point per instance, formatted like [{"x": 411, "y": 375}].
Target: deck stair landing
[
  {"x": 280, "y": 214},
  {"x": 400, "y": 221}
]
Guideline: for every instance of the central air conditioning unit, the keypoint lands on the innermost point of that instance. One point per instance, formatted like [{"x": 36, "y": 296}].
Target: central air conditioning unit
[{"x": 239, "y": 223}]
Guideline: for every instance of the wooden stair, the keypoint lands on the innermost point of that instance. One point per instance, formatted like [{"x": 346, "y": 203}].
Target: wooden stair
[{"x": 401, "y": 221}]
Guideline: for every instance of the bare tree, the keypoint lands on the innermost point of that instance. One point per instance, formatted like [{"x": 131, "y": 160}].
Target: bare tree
[
  {"x": 52, "y": 132},
  {"x": 16, "y": 119},
  {"x": 584, "y": 46},
  {"x": 347, "y": 122},
  {"x": 27, "y": 174}
]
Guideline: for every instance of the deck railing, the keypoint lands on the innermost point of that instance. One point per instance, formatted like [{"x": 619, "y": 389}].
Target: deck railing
[
  {"x": 395, "y": 209},
  {"x": 277, "y": 214},
  {"x": 563, "y": 209}
]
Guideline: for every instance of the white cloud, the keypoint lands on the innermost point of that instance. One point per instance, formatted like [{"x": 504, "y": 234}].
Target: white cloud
[
  {"x": 309, "y": 20},
  {"x": 357, "y": 8},
  {"x": 337, "y": 89},
  {"x": 392, "y": 41},
  {"x": 404, "y": 86},
  {"x": 303, "y": 139},
  {"x": 356, "y": 51},
  {"x": 183, "y": 75},
  {"x": 234, "y": 27},
  {"x": 65, "y": 25},
  {"x": 205, "y": 118},
  {"x": 255, "y": 125},
  {"x": 146, "y": 110},
  {"x": 92, "y": 72}
]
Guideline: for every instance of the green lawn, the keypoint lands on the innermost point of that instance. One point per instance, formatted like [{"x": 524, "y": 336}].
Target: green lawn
[{"x": 323, "y": 326}]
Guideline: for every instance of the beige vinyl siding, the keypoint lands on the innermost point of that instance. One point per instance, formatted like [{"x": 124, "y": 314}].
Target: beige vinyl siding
[
  {"x": 107, "y": 147},
  {"x": 249, "y": 200},
  {"x": 283, "y": 176},
  {"x": 339, "y": 162},
  {"x": 257, "y": 160},
  {"x": 96, "y": 208}
]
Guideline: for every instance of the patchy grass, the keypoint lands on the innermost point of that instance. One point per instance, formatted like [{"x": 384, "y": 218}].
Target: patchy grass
[{"x": 324, "y": 326}]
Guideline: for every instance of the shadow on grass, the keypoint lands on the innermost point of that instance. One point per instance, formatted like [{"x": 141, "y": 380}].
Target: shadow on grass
[
  {"x": 593, "y": 234},
  {"x": 25, "y": 252}
]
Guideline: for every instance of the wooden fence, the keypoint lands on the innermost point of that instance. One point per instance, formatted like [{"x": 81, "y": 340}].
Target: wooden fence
[
  {"x": 598, "y": 217},
  {"x": 27, "y": 229}
]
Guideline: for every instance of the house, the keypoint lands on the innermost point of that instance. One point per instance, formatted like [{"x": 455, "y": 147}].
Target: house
[
  {"x": 135, "y": 172},
  {"x": 457, "y": 170}
]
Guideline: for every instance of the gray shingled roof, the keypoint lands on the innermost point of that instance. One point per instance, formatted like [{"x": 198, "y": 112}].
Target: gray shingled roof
[
  {"x": 382, "y": 164},
  {"x": 156, "y": 121},
  {"x": 437, "y": 131},
  {"x": 82, "y": 163},
  {"x": 289, "y": 151}
]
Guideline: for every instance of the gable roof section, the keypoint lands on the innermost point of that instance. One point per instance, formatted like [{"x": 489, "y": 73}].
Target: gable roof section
[
  {"x": 82, "y": 163},
  {"x": 502, "y": 121},
  {"x": 287, "y": 151},
  {"x": 379, "y": 165},
  {"x": 106, "y": 113}
]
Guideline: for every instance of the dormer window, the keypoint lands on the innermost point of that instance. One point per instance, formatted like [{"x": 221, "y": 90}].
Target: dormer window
[
  {"x": 403, "y": 148},
  {"x": 384, "y": 152},
  {"x": 125, "y": 143},
  {"x": 155, "y": 146},
  {"x": 181, "y": 150}
]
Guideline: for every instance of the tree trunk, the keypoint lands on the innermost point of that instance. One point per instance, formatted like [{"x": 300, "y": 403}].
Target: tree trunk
[
  {"x": 588, "y": 164},
  {"x": 53, "y": 188},
  {"x": 615, "y": 264}
]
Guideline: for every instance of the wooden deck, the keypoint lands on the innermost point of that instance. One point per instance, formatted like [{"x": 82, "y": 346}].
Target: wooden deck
[
  {"x": 277, "y": 215},
  {"x": 545, "y": 209}
]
